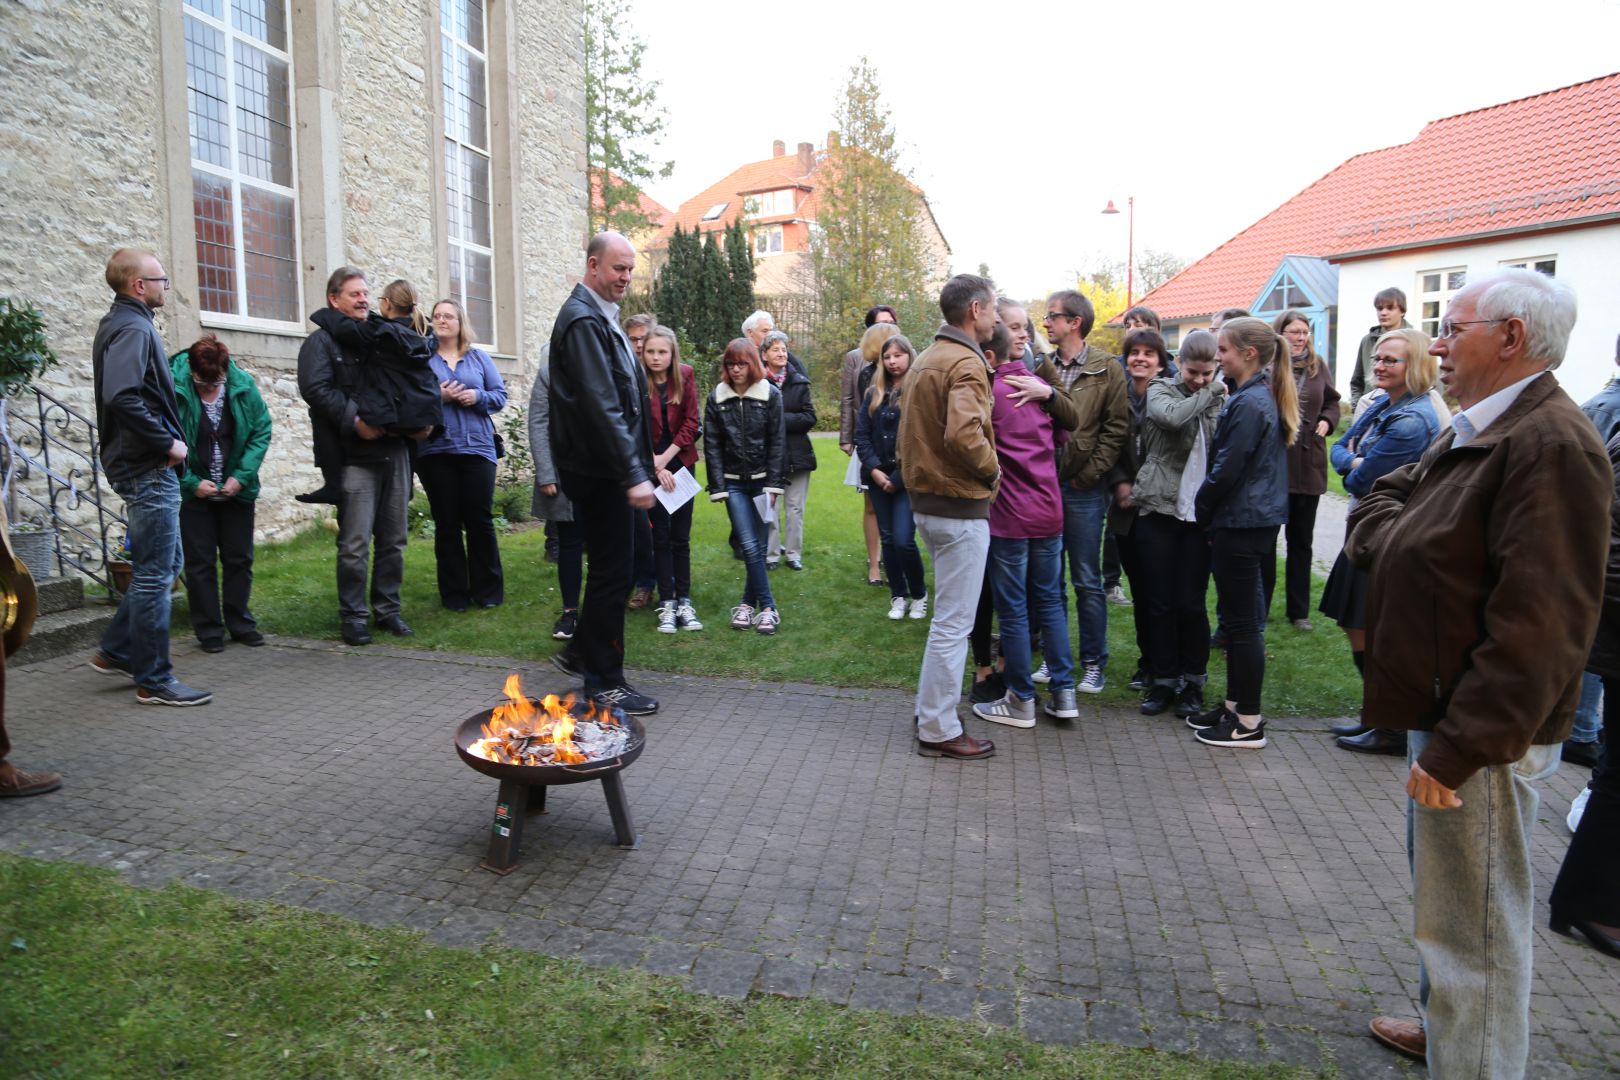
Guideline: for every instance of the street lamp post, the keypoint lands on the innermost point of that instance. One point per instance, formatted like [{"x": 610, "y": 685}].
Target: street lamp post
[{"x": 1130, "y": 247}]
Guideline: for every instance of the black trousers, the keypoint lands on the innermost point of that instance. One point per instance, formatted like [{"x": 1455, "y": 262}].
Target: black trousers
[
  {"x": 645, "y": 568},
  {"x": 1240, "y": 556},
  {"x": 461, "y": 490},
  {"x": 1129, "y": 554},
  {"x": 604, "y": 519},
  {"x": 1173, "y": 595},
  {"x": 1588, "y": 885},
  {"x": 672, "y": 550},
  {"x": 219, "y": 532},
  {"x": 1297, "y": 534},
  {"x": 1112, "y": 560}
]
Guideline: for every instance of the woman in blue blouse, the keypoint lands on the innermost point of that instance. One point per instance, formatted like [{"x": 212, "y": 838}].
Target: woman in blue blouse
[
  {"x": 1390, "y": 434},
  {"x": 457, "y": 469}
]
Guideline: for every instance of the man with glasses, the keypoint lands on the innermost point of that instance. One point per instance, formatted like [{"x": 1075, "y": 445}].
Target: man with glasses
[
  {"x": 1487, "y": 559},
  {"x": 1095, "y": 384},
  {"x": 139, "y": 424}
]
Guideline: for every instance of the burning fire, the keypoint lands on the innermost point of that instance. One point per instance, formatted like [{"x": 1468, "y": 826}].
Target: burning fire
[{"x": 518, "y": 733}]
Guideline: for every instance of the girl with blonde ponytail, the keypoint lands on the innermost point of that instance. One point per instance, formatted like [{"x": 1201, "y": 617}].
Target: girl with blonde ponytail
[{"x": 1242, "y": 502}]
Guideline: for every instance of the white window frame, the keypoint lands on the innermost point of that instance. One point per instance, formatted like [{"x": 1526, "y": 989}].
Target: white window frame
[
  {"x": 454, "y": 245},
  {"x": 775, "y": 203},
  {"x": 240, "y": 319},
  {"x": 1534, "y": 263},
  {"x": 768, "y": 241},
  {"x": 1440, "y": 297}
]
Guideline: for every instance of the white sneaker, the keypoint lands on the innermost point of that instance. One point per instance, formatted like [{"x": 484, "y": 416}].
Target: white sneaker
[
  {"x": 1041, "y": 674},
  {"x": 1116, "y": 595},
  {"x": 1008, "y": 710},
  {"x": 767, "y": 621},
  {"x": 742, "y": 617},
  {"x": 686, "y": 616},
  {"x": 897, "y": 608},
  {"x": 666, "y": 617},
  {"x": 1577, "y": 808},
  {"x": 919, "y": 608},
  {"x": 1092, "y": 682}
]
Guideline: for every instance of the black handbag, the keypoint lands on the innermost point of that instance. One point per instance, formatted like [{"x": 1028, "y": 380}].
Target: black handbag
[{"x": 500, "y": 446}]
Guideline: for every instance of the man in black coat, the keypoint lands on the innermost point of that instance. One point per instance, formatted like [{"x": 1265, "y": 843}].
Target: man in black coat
[
  {"x": 139, "y": 424},
  {"x": 602, "y": 449},
  {"x": 375, "y": 468}
]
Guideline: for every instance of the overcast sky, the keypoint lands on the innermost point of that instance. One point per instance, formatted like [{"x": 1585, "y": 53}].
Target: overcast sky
[{"x": 1021, "y": 122}]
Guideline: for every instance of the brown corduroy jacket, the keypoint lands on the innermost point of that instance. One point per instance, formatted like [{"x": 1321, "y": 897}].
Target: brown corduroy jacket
[{"x": 1487, "y": 565}]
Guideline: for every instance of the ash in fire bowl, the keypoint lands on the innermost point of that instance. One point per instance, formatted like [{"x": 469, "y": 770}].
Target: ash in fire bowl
[{"x": 549, "y": 731}]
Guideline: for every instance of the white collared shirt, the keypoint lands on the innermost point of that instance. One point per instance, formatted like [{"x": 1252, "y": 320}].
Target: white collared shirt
[
  {"x": 611, "y": 310},
  {"x": 1471, "y": 422}
]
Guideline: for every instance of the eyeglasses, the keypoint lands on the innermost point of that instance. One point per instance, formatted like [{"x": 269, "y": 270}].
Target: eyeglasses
[
  {"x": 1053, "y": 317},
  {"x": 736, "y": 363},
  {"x": 1449, "y": 329},
  {"x": 1386, "y": 361},
  {"x": 162, "y": 279}
]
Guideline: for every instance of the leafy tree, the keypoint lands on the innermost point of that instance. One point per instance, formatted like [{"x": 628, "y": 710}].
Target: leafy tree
[
  {"x": 869, "y": 246},
  {"x": 740, "y": 266},
  {"x": 621, "y": 117}
]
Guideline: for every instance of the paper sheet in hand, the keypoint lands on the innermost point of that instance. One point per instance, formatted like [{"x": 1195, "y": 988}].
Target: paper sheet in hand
[
  {"x": 852, "y": 475},
  {"x": 685, "y": 487},
  {"x": 763, "y": 507}
]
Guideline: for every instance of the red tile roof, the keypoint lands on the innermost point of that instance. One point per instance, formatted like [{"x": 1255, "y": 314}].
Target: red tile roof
[
  {"x": 655, "y": 211},
  {"x": 1543, "y": 161},
  {"x": 755, "y": 177}
]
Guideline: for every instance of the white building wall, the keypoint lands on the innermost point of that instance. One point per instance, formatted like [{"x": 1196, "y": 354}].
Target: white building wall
[{"x": 1588, "y": 262}]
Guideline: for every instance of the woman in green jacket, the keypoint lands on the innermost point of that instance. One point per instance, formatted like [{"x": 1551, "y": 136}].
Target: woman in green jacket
[{"x": 226, "y": 425}]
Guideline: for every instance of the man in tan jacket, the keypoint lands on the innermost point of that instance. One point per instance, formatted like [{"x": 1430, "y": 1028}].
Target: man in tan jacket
[
  {"x": 948, "y": 462},
  {"x": 1487, "y": 558}
]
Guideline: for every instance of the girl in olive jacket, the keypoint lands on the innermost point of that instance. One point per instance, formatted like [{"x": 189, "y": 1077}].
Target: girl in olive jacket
[{"x": 226, "y": 426}]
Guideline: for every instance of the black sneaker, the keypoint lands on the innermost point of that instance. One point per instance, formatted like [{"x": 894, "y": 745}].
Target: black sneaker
[
  {"x": 1190, "y": 701},
  {"x": 568, "y": 663},
  {"x": 626, "y": 700},
  {"x": 990, "y": 688},
  {"x": 174, "y": 692},
  {"x": 1159, "y": 697},
  {"x": 1141, "y": 680},
  {"x": 565, "y": 626},
  {"x": 1213, "y": 718},
  {"x": 1231, "y": 733}
]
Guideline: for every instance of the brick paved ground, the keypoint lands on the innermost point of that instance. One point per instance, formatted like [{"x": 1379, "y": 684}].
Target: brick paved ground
[{"x": 1107, "y": 879}]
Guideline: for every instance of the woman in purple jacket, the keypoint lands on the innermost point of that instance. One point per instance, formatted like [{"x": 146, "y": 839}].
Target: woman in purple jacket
[
  {"x": 457, "y": 468},
  {"x": 1026, "y": 542}
]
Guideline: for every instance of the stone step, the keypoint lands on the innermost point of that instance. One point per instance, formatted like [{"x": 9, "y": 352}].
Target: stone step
[
  {"x": 60, "y": 594},
  {"x": 63, "y": 632}
]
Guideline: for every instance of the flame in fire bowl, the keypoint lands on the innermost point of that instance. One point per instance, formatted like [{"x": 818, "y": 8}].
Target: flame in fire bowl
[{"x": 549, "y": 740}]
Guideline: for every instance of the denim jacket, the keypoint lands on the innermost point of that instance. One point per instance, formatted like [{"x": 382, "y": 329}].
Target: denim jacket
[{"x": 1386, "y": 437}]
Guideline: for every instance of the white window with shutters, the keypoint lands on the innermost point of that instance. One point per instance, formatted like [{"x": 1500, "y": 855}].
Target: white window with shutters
[{"x": 243, "y": 167}]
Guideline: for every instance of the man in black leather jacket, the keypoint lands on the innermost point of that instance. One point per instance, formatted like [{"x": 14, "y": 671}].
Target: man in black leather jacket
[{"x": 603, "y": 453}]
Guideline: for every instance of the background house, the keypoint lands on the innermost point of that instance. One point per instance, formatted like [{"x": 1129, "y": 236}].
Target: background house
[
  {"x": 1533, "y": 182},
  {"x": 777, "y": 202},
  {"x": 256, "y": 145}
]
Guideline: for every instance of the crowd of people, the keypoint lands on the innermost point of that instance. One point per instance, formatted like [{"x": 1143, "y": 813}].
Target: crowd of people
[{"x": 1475, "y": 575}]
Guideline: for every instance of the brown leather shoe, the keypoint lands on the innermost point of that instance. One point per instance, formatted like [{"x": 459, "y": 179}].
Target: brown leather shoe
[
  {"x": 1402, "y": 1036},
  {"x": 16, "y": 784},
  {"x": 639, "y": 598},
  {"x": 964, "y": 747}
]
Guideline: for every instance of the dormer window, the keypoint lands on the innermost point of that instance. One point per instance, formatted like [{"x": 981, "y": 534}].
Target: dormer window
[{"x": 778, "y": 203}]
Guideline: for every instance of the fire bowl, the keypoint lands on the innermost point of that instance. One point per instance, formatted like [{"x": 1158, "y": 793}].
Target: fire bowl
[{"x": 471, "y": 730}]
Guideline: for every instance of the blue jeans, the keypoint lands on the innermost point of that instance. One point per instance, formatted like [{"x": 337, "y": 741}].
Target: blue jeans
[
  {"x": 751, "y": 533},
  {"x": 898, "y": 534},
  {"x": 1084, "y": 512},
  {"x": 1588, "y": 714},
  {"x": 138, "y": 636},
  {"x": 1026, "y": 577},
  {"x": 1473, "y": 903}
]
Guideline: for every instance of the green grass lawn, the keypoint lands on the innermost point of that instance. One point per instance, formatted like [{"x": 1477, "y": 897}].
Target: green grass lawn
[
  {"x": 834, "y": 631},
  {"x": 105, "y": 980}
]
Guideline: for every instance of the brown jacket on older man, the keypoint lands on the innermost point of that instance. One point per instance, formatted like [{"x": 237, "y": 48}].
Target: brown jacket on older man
[
  {"x": 947, "y": 455},
  {"x": 1487, "y": 566}
]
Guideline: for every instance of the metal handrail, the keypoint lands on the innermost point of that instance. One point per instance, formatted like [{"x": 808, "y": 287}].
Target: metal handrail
[{"x": 57, "y": 443}]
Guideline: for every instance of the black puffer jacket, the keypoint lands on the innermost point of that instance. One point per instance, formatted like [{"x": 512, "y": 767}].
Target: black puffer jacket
[
  {"x": 1246, "y": 486},
  {"x": 799, "y": 415},
  {"x": 1605, "y": 658},
  {"x": 876, "y": 432},
  {"x": 396, "y": 388},
  {"x": 744, "y": 438},
  {"x": 598, "y": 399}
]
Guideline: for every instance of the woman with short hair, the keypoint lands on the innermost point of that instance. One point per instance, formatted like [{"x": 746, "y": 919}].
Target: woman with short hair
[{"x": 226, "y": 426}]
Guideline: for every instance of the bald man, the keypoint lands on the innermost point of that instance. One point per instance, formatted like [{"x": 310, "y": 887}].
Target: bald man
[
  {"x": 602, "y": 450},
  {"x": 141, "y": 449}
]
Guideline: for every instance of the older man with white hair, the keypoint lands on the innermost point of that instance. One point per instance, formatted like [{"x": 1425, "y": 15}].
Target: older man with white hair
[
  {"x": 1487, "y": 558},
  {"x": 760, "y": 323}
]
